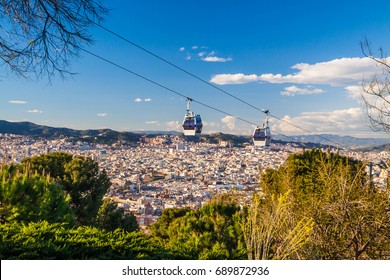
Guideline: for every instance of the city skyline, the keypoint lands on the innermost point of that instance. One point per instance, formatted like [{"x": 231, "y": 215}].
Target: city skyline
[{"x": 303, "y": 62}]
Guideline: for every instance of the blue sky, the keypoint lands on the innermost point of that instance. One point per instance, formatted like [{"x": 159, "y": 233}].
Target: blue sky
[{"x": 300, "y": 59}]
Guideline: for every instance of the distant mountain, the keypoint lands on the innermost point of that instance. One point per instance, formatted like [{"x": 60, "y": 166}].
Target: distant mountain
[
  {"x": 107, "y": 136},
  {"x": 241, "y": 141},
  {"x": 330, "y": 139},
  {"x": 215, "y": 138},
  {"x": 157, "y": 132},
  {"x": 385, "y": 147}
]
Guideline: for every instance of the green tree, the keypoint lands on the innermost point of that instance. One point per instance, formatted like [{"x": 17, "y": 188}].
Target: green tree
[
  {"x": 86, "y": 186},
  {"x": 111, "y": 217},
  {"x": 28, "y": 197},
  {"x": 159, "y": 229},
  {"x": 351, "y": 218},
  {"x": 44, "y": 241},
  {"x": 79, "y": 177},
  {"x": 212, "y": 232},
  {"x": 307, "y": 176},
  {"x": 51, "y": 163}
]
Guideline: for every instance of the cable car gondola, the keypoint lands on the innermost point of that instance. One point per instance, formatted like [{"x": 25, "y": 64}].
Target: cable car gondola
[
  {"x": 262, "y": 134},
  {"x": 192, "y": 124}
]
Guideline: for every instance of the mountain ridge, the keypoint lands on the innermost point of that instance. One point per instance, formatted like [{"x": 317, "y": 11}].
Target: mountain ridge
[
  {"x": 107, "y": 135},
  {"x": 89, "y": 135},
  {"x": 332, "y": 139}
]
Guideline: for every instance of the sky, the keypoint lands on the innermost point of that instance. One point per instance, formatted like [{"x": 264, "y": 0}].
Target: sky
[{"x": 301, "y": 60}]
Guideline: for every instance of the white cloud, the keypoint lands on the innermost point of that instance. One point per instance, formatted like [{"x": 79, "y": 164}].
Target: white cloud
[
  {"x": 223, "y": 79},
  {"x": 354, "y": 92},
  {"x": 229, "y": 121},
  {"x": 347, "y": 121},
  {"x": 196, "y": 53},
  {"x": 152, "y": 122},
  {"x": 173, "y": 125},
  {"x": 138, "y": 100},
  {"x": 35, "y": 111},
  {"x": 102, "y": 115},
  {"x": 210, "y": 124},
  {"x": 17, "y": 102},
  {"x": 337, "y": 72},
  {"x": 216, "y": 59},
  {"x": 294, "y": 90}
]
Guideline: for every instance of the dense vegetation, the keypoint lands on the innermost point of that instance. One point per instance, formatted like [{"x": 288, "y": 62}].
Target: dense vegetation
[
  {"x": 317, "y": 206},
  {"x": 351, "y": 218},
  {"x": 43, "y": 240},
  {"x": 79, "y": 178},
  {"x": 212, "y": 232},
  {"x": 28, "y": 197}
]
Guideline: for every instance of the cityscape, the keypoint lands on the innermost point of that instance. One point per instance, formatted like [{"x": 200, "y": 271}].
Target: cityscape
[{"x": 169, "y": 171}]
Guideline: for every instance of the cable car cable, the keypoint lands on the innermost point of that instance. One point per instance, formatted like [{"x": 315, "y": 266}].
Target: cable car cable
[
  {"x": 210, "y": 84},
  {"x": 175, "y": 66},
  {"x": 162, "y": 86},
  {"x": 176, "y": 92}
]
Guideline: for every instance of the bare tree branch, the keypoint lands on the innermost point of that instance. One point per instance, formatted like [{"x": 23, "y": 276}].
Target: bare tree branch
[
  {"x": 41, "y": 37},
  {"x": 376, "y": 97}
]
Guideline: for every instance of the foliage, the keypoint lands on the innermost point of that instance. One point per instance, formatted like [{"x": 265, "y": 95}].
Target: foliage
[
  {"x": 41, "y": 36},
  {"x": 50, "y": 163},
  {"x": 28, "y": 197},
  {"x": 79, "y": 177},
  {"x": 270, "y": 229},
  {"x": 304, "y": 173},
  {"x": 212, "y": 232},
  {"x": 53, "y": 241},
  {"x": 86, "y": 186},
  {"x": 351, "y": 218},
  {"x": 111, "y": 217},
  {"x": 160, "y": 228}
]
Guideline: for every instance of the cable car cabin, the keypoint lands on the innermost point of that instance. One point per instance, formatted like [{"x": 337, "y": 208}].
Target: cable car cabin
[
  {"x": 192, "y": 125},
  {"x": 262, "y": 137}
]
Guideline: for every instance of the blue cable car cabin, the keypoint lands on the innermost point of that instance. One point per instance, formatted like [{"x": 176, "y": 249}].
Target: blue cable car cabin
[
  {"x": 192, "y": 125},
  {"x": 262, "y": 134}
]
